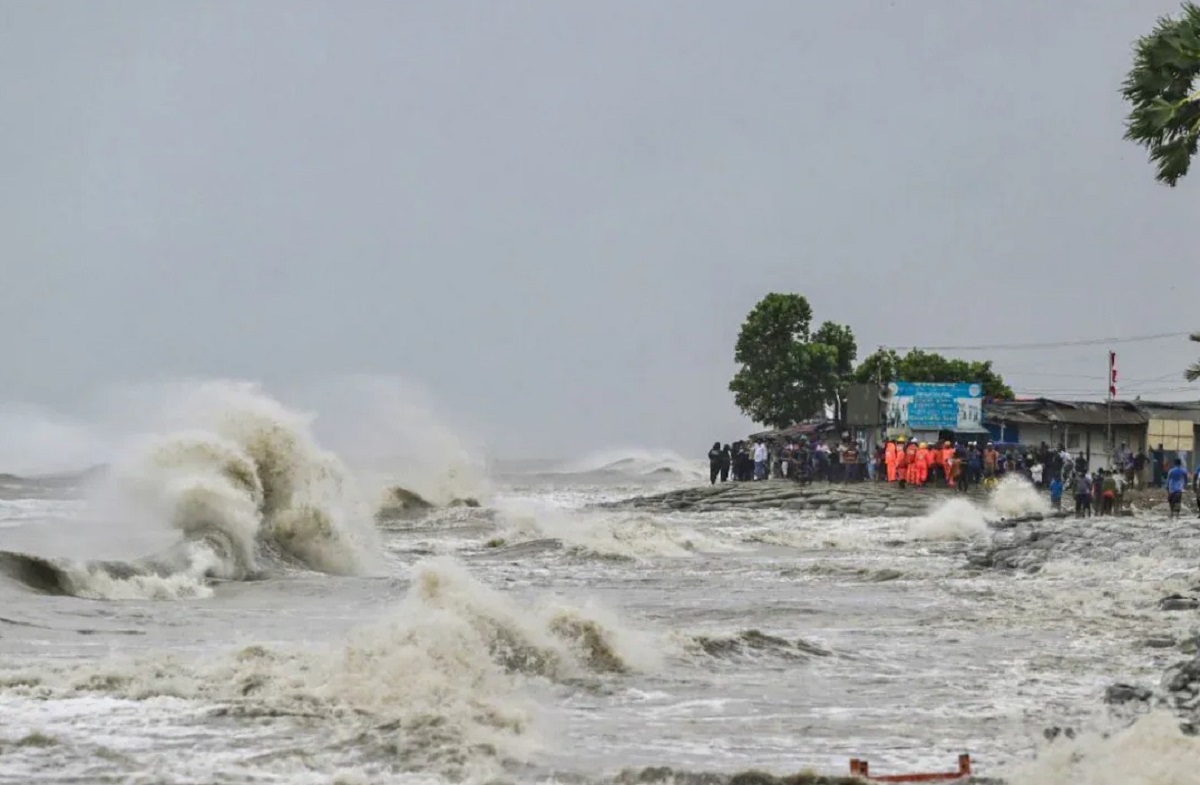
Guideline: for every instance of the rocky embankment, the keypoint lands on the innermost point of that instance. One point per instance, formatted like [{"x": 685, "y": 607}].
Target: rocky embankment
[
  {"x": 1028, "y": 545},
  {"x": 1177, "y": 692},
  {"x": 863, "y": 498}
]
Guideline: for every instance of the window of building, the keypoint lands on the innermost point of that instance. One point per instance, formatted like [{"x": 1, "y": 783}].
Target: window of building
[{"x": 1072, "y": 441}]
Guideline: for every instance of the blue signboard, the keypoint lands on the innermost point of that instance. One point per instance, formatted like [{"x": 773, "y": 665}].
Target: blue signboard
[{"x": 922, "y": 406}]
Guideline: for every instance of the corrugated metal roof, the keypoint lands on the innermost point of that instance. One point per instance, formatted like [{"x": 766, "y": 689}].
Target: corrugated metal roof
[
  {"x": 1047, "y": 411},
  {"x": 1172, "y": 410}
]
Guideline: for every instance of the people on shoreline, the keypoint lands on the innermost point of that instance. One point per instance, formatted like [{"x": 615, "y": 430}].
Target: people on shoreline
[
  {"x": 714, "y": 463},
  {"x": 1056, "y": 492},
  {"x": 912, "y": 463},
  {"x": 1177, "y": 479}
]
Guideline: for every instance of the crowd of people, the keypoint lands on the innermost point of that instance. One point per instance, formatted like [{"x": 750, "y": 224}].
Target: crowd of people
[{"x": 957, "y": 465}]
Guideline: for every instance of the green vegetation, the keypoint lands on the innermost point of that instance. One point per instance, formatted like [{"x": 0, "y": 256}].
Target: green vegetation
[
  {"x": 788, "y": 372},
  {"x": 886, "y": 365},
  {"x": 1164, "y": 114}
]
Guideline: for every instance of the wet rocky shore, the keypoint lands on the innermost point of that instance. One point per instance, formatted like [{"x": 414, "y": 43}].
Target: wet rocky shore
[
  {"x": 1025, "y": 545},
  {"x": 862, "y": 498}
]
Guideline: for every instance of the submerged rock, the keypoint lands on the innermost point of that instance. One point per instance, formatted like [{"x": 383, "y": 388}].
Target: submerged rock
[
  {"x": 1053, "y": 733},
  {"x": 1119, "y": 694},
  {"x": 1178, "y": 602},
  {"x": 1159, "y": 643},
  {"x": 400, "y": 501}
]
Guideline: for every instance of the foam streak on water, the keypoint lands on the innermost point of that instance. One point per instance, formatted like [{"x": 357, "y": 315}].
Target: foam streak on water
[{"x": 279, "y": 633}]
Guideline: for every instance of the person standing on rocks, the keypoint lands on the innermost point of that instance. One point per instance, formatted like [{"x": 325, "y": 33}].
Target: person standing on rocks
[
  {"x": 1158, "y": 464},
  {"x": 901, "y": 466},
  {"x": 1081, "y": 464},
  {"x": 1108, "y": 494},
  {"x": 726, "y": 462},
  {"x": 960, "y": 473},
  {"x": 1139, "y": 469},
  {"x": 991, "y": 458},
  {"x": 1083, "y": 495},
  {"x": 714, "y": 463},
  {"x": 1176, "y": 482},
  {"x": 760, "y": 461},
  {"x": 974, "y": 464}
]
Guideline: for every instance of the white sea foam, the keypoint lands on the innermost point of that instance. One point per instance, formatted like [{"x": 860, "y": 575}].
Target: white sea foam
[
  {"x": 606, "y": 533},
  {"x": 953, "y": 519},
  {"x": 1015, "y": 496},
  {"x": 440, "y": 685},
  {"x": 391, "y": 432},
  {"x": 1153, "y": 751},
  {"x": 961, "y": 519}
]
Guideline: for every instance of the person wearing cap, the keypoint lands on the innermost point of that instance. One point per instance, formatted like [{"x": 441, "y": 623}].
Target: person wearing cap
[{"x": 922, "y": 463}]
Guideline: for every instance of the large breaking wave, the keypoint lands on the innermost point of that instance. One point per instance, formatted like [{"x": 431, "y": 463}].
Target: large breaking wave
[
  {"x": 440, "y": 685},
  {"x": 243, "y": 483}
]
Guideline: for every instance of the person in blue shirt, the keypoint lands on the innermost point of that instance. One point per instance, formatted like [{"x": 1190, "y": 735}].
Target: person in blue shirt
[
  {"x": 1056, "y": 491},
  {"x": 1177, "y": 480}
]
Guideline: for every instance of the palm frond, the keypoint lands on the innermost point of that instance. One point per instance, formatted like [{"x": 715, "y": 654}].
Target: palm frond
[
  {"x": 1192, "y": 373},
  {"x": 1164, "y": 115}
]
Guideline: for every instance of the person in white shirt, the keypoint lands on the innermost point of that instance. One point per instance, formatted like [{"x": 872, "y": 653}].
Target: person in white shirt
[
  {"x": 760, "y": 461},
  {"x": 1036, "y": 474}
]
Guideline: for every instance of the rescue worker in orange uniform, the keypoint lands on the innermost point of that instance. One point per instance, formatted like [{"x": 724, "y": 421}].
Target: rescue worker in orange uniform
[
  {"x": 935, "y": 463},
  {"x": 922, "y": 463},
  {"x": 901, "y": 466},
  {"x": 948, "y": 462},
  {"x": 910, "y": 463},
  {"x": 889, "y": 460}
]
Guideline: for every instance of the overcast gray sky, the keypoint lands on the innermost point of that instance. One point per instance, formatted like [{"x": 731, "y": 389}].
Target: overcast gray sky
[{"x": 554, "y": 215}]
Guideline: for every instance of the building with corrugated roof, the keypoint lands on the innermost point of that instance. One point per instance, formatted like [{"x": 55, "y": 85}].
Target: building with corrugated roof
[{"x": 1083, "y": 426}]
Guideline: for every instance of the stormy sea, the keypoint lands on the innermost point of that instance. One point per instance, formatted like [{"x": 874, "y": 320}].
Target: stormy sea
[{"x": 241, "y": 594}]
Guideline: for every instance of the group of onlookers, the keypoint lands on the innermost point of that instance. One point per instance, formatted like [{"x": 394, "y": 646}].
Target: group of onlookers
[
  {"x": 802, "y": 460},
  {"x": 960, "y": 466}
]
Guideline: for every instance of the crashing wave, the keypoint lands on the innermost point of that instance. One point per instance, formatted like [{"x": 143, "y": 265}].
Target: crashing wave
[
  {"x": 634, "y": 464},
  {"x": 958, "y": 518},
  {"x": 438, "y": 687},
  {"x": 245, "y": 486}
]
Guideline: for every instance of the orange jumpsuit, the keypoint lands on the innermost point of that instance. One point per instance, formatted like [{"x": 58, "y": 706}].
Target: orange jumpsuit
[
  {"x": 910, "y": 464},
  {"x": 935, "y": 460},
  {"x": 922, "y": 465},
  {"x": 889, "y": 459},
  {"x": 901, "y": 465},
  {"x": 948, "y": 464}
]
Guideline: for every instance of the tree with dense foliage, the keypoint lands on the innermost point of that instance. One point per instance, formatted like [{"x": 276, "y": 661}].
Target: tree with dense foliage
[
  {"x": 788, "y": 373},
  {"x": 886, "y": 365},
  {"x": 838, "y": 376},
  {"x": 1164, "y": 114},
  {"x": 1193, "y": 372}
]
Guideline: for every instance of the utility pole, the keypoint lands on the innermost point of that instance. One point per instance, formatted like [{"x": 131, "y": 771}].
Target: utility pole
[{"x": 1112, "y": 391}]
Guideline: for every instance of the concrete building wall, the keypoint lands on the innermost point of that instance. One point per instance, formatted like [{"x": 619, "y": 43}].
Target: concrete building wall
[{"x": 1091, "y": 440}]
